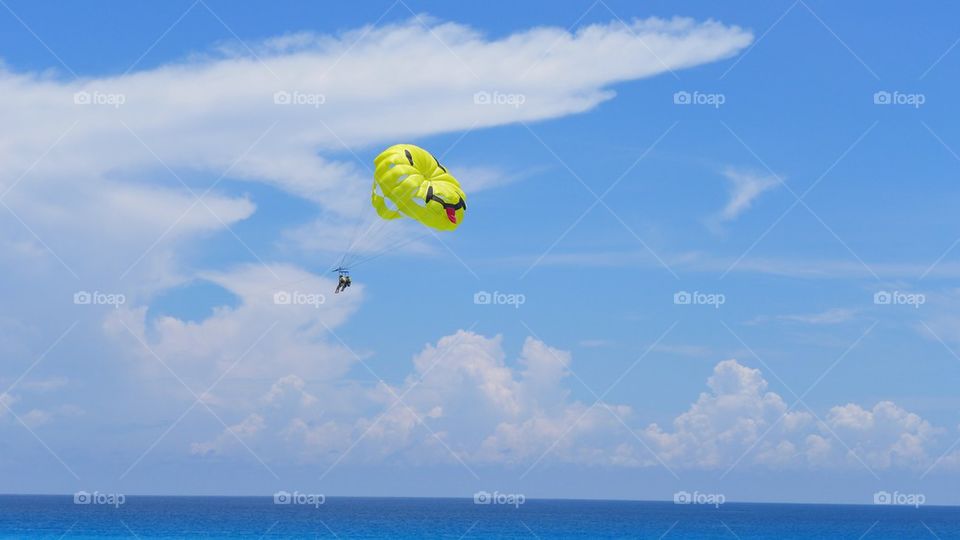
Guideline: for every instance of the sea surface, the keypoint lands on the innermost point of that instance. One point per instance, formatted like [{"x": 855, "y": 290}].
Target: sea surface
[{"x": 258, "y": 517}]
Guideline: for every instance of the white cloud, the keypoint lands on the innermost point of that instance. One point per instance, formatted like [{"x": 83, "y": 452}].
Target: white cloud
[
  {"x": 740, "y": 421},
  {"x": 728, "y": 421},
  {"x": 595, "y": 343},
  {"x": 884, "y": 436},
  {"x": 250, "y": 427},
  {"x": 6, "y": 403},
  {"x": 696, "y": 351},
  {"x": 110, "y": 173},
  {"x": 280, "y": 326},
  {"x": 830, "y": 316},
  {"x": 703, "y": 262},
  {"x": 464, "y": 401},
  {"x": 45, "y": 385},
  {"x": 36, "y": 417},
  {"x": 745, "y": 187}
]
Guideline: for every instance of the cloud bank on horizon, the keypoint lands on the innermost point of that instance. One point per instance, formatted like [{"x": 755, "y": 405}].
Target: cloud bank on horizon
[{"x": 463, "y": 403}]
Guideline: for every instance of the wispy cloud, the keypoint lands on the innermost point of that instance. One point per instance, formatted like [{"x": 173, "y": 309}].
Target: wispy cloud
[
  {"x": 744, "y": 187},
  {"x": 595, "y": 343},
  {"x": 698, "y": 351},
  {"x": 830, "y": 316},
  {"x": 700, "y": 261}
]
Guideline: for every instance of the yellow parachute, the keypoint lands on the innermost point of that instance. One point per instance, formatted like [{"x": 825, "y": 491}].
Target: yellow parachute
[{"x": 418, "y": 186}]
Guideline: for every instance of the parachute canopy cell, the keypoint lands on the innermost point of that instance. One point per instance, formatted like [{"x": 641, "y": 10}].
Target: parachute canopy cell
[{"x": 417, "y": 186}]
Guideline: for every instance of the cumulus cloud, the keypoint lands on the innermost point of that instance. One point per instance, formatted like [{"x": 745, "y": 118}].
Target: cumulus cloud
[
  {"x": 463, "y": 401},
  {"x": 885, "y": 435},
  {"x": 280, "y": 325},
  {"x": 246, "y": 429},
  {"x": 466, "y": 401},
  {"x": 728, "y": 421},
  {"x": 739, "y": 420},
  {"x": 33, "y": 417}
]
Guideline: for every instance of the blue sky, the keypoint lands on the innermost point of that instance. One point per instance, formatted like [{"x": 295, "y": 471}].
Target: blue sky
[{"x": 790, "y": 191}]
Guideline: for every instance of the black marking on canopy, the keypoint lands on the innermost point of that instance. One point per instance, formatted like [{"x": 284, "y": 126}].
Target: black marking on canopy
[
  {"x": 431, "y": 197},
  {"x": 409, "y": 155},
  {"x": 442, "y": 168}
]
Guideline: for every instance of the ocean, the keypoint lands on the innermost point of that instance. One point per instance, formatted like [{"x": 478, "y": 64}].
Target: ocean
[{"x": 345, "y": 517}]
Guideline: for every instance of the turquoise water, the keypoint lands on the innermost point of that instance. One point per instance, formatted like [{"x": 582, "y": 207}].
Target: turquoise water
[{"x": 258, "y": 517}]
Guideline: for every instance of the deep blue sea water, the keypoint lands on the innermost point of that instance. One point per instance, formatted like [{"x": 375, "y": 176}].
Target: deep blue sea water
[{"x": 259, "y": 517}]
